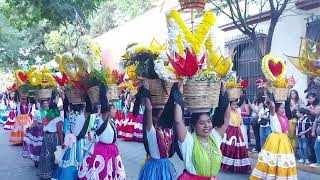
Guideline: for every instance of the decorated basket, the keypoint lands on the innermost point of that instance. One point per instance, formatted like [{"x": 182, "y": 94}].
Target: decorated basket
[
  {"x": 280, "y": 94},
  {"x": 44, "y": 93},
  {"x": 201, "y": 94},
  {"x": 234, "y": 93},
  {"x": 192, "y": 4},
  {"x": 159, "y": 91},
  {"x": 113, "y": 93},
  {"x": 22, "y": 94},
  {"x": 75, "y": 96}
]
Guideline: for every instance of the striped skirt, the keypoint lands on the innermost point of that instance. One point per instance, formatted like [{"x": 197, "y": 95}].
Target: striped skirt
[
  {"x": 235, "y": 156},
  {"x": 32, "y": 142},
  {"x": 46, "y": 162}
]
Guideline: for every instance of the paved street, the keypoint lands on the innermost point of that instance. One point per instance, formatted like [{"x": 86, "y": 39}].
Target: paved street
[{"x": 14, "y": 167}]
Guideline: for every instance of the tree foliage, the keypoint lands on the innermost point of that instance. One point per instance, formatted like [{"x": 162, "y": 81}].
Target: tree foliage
[
  {"x": 26, "y": 13},
  {"x": 113, "y": 13}
]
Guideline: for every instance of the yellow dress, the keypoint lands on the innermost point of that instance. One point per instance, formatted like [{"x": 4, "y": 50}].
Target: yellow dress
[
  {"x": 276, "y": 159},
  {"x": 292, "y": 132}
]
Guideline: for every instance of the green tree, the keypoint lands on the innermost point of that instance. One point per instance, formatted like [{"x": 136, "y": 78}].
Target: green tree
[
  {"x": 26, "y": 13},
  {"x": 113, "y": 13}
]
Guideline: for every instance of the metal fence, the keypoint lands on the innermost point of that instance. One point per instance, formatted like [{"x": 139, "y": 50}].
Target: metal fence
[{"x": 246, "y": 62}]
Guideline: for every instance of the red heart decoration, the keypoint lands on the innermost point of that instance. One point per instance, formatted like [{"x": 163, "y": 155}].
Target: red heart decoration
[
  {"x": 22, "y": 76},
  {"x": 275, "y": 68}
]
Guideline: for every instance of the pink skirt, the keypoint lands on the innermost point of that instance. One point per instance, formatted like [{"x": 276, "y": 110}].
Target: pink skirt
[
  {"x": 138, "y": 131},
  {"x": 188, "y": 176},
  {"x": 127, "y": 128},
  {"x": 105, "y": 163},
  {"x": 235, "y": 156}
]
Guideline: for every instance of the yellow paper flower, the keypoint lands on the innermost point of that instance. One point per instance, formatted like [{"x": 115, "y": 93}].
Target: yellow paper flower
[
  {"x": 66, "y": 61},
  {"x": 131, "y": 71}
]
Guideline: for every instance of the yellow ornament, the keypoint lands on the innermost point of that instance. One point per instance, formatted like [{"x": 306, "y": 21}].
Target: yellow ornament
[
  {"x": 131, "y": 71},
  {"x": 72, "y": 66},
  {"x": 273, "y": 68}
]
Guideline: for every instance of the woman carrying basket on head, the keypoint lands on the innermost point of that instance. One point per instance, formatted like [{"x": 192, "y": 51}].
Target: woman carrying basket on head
[
  {"x": 201, "y": 149},
  {"x": 158, "y": 136},
  {"x": 104, "y": 161}
]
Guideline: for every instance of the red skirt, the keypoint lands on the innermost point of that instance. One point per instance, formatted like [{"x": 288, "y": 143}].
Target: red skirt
[
  {"x": 137, "y": 130},
  {"x": 188, "y": 176},
  {"x": 127, "y": 128},
  {"x": 235, "y": 156}
]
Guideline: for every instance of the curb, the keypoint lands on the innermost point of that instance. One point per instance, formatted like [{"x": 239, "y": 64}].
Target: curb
[{"x": 301, "y": 167}]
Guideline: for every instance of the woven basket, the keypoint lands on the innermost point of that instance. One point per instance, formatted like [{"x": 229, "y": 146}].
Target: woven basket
[
  {"x": 159, "y": 95},
  {"x": 113, "y": 93},
  {"x": 192, "y": 4},
  {"x": 201, "y": 94},
  {"x": 75, "y": 96},
  {"x": 280, "y": 94},
  {"x": 44, "y": 93},
  {"x": 234, "y": 93},
  {"x": 93, "y": 94},
  {"x": 22, "y": 94}
]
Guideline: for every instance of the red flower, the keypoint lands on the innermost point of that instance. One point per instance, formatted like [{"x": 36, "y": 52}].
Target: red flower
[
  {"x": 188, "y": 66},
  {"x": 61, "y": 81},
  {"x": 244, "y": 83},
  {"x": 80, "y": 85}
]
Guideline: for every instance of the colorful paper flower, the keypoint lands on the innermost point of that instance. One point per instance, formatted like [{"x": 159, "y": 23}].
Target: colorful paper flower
[{"x": 188, "y": 66}]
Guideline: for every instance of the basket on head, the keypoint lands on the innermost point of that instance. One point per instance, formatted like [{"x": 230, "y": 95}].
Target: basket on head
[
  {"x": 192, "y": 4},
  {"x": 75, "y": 96},
  {"x": 280, "y": 94},
  {"x": 22, "y": 94},
  {"x": 44, "y": 93},
  {"x": 201, "y": 94},
  {"x": 113, "y": 93},
  {"x": 234, "y": 93},
  {"x": 159, "y": 91}
]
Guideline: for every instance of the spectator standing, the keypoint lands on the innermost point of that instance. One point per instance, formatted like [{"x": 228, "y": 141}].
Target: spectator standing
[
  {"x": 314, "y": 107},
  {"x": 303, "y": 128}
]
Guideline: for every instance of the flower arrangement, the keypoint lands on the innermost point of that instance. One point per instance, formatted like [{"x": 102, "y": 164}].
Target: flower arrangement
[
  {"x": 274, "y": 71},
  {"x": 151, "y": 63},
  {"x": 96, "y": 77},
  {"x": 188, "y": 51},
  {"x": 35, "y": 79},
  {"x": 114, "y": 77},
  {"x": 242, "y": 84}
]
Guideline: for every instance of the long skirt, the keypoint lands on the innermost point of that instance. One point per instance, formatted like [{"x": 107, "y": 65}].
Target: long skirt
[
  {"x": 71, "y": 161},
  {"x": 46, "y": 162},
  {"x": 188, "y": 176},
  {"x": 32, "y": 142},
  {"x": 104, "y": 163},
  {"x": 276, "y": 160},
  {"x": 138, "y": 130},
  {"x": 127, "y": 129},
  {"x": 23, "y": 122},
  {"x": 235, "y": 156},
  {"x": 292, "y": 133},
  {"x": 10, "y": 121},
  {"x": 158, "y": 169}
]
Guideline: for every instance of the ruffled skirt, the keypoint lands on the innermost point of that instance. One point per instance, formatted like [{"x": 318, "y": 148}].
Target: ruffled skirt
[
  {"x": 127, "y": 128},
  {"x": 276, "y": 160},
  {"x": 158, "y": 169},
  {"x": 137, "y": 130},
  {"x": 71, "y": 161},
  {"x": 32, "y": 142},
  {"x": 23, "y": 122},
  {"x": 235, "y": 156},
  {"x": 10, "y": 121},
  {"x": 104, "y": 163}
]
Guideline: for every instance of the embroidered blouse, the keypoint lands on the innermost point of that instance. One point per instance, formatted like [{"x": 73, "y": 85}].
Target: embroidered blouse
[
  {"x": 159, "y": 141},
  {"x": 190, "y": 160},
  {"x": 279, "y": 123},
  {"x": 108, "y": 134}
]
